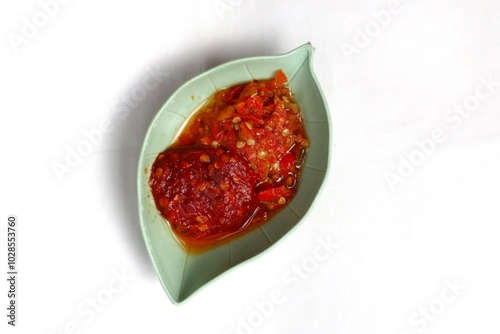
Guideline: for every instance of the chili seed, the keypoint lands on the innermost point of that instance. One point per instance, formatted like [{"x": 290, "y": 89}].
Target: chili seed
[
  {"x": 282, "y": 200},
  {"x": 236, "y": 120},
  {"x": 250, "y": 142},
  {"x": 240, "y": 144},
  {"x": 204, "y": 158}
]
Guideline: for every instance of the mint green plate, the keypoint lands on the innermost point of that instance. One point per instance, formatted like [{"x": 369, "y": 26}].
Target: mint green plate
[{"x": 182, "y": 273}]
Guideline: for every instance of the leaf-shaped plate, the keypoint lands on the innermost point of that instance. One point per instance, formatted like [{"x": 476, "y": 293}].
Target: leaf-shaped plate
[{"x": 183, "y": 273}]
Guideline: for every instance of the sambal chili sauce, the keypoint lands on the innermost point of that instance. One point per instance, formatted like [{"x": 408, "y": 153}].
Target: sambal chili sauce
[{"x": 235, "y": 164}]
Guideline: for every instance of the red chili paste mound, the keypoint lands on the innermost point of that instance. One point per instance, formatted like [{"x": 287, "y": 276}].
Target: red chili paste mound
[
  {"x": 204, "y": 193},
  {"x": 235, "y": 164}
]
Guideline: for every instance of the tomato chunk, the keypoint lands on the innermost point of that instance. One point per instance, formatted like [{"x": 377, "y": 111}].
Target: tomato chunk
[{"x": 274, "y": 194}]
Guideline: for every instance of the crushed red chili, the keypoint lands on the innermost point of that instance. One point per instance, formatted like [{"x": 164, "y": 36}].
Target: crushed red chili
[{"x": 235, "y": 164}]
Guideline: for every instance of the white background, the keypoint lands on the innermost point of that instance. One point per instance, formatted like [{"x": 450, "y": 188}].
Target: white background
[{"x": 399, "y": 246}]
